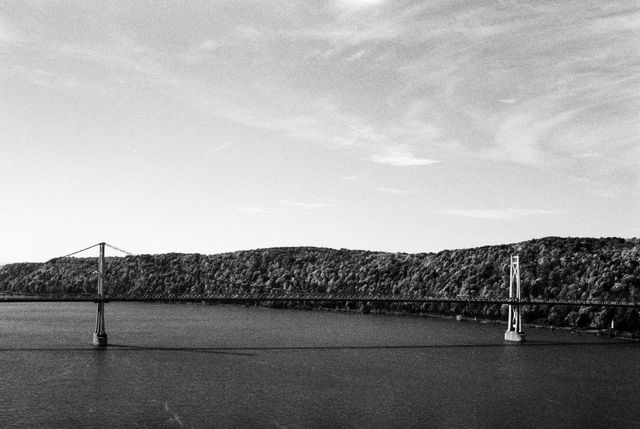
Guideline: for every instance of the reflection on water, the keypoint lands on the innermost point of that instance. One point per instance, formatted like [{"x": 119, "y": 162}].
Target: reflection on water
[{"x": 204, "y": 366}]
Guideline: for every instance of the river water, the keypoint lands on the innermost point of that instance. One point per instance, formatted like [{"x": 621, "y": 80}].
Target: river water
[{"x": 224, "y": 366}]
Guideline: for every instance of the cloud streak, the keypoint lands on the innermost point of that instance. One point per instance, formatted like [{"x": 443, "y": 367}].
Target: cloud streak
[{"x": 401, "y": 158}]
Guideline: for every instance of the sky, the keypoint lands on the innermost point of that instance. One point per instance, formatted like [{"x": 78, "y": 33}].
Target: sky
[{"x": 403, "y": 126}]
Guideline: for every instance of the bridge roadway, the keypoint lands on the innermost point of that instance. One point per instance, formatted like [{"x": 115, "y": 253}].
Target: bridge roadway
[{"x": 252, "y": 298}]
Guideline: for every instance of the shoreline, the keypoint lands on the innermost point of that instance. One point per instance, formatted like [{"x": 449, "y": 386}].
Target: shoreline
[{"x": 623, "y": 335}]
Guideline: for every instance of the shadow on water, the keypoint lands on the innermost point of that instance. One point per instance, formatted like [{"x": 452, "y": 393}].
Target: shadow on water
[{"x": 239, "y": 350}]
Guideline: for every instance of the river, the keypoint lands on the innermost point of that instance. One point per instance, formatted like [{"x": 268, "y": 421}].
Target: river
[{"x": 224, "y": 366}]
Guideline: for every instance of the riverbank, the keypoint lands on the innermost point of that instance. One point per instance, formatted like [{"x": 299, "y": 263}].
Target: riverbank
[{"x": 460, "y": 318}]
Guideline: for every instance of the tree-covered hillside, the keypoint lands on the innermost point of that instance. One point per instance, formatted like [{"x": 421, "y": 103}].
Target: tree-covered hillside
[{"x": 566, "y": 268}]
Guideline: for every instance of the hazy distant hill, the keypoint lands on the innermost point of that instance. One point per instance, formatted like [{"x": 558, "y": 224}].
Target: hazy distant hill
[{"x": 570, "y": 268}]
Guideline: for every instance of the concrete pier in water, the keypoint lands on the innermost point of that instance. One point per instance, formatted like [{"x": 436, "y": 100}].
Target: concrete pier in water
[{"x": 100, "y": 335}]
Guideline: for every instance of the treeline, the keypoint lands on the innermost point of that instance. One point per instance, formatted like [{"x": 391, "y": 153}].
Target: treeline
[{"x": 552, "y": 267}]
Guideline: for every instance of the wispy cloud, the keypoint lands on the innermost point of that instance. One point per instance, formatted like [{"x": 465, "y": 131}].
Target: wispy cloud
[
  {"x": 357, "y": 4},
  {"x": 235, "y": 38},
  {"x": 464, "y": 63},
  {"x": 401, "y": 158},
  {"x": 288, "y": 109},
  {"x": 507, "y": 214}
]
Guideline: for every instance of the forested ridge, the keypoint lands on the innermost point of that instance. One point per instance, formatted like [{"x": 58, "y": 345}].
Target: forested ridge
[{"x": 552, "y": 267}]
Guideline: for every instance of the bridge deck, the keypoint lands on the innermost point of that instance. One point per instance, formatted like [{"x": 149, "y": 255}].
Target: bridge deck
[{"x": 316, "y": 298}]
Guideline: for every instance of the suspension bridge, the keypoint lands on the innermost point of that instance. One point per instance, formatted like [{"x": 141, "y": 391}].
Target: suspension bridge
[{"x": 514, "y": 301}]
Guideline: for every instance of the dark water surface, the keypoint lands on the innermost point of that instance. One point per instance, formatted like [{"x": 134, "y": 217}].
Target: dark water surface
[{"x": 220, "y": 366}]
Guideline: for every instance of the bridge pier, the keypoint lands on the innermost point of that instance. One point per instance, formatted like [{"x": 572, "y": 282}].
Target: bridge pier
[
  {"x": 99, "y": 334},
  {"x": 514, "y": 323}
]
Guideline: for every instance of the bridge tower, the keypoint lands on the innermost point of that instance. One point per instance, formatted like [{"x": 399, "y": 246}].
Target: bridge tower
[
  {"x": 100, "y": 335},
  {"x": 514, "y": 324}
]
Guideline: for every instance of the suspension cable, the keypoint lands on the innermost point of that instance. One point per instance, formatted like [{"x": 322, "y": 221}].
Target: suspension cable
[
  {"x": 119, "y": 250},
  {"x": 71, "y": 254},
  {"x": 91, "y": 247}
]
